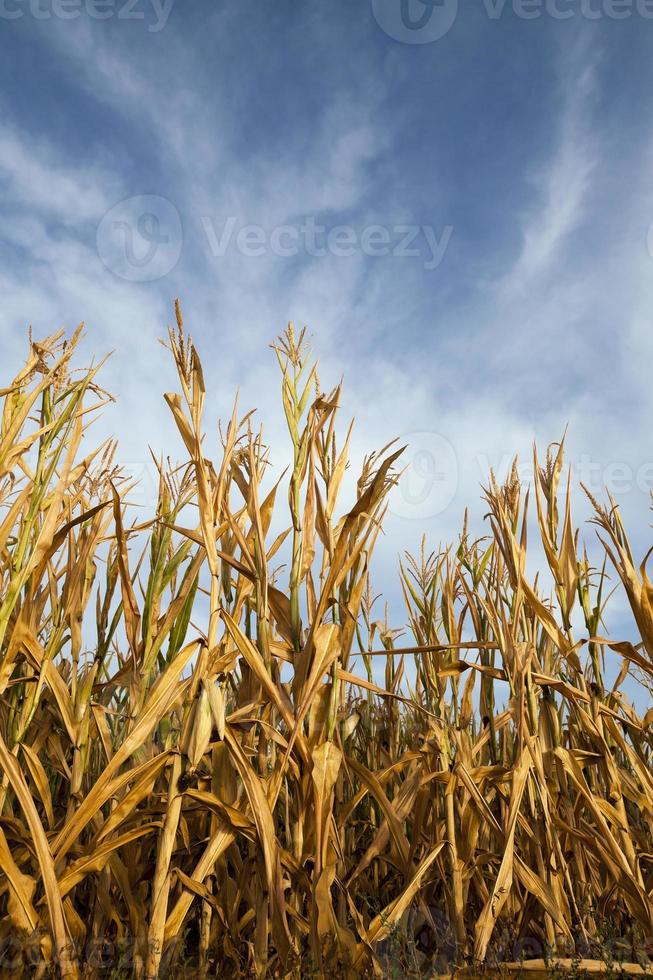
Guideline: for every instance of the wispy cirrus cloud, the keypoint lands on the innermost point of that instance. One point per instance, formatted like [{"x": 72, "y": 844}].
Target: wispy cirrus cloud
[
  {"x": 246, "y": 116},
  {"x": 561, "y": 185}
]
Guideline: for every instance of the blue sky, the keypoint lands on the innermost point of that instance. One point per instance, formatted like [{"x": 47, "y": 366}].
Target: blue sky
[{"x": 484, "y": 274}]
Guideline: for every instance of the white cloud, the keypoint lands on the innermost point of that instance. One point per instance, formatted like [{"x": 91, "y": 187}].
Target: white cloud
[
  {"x": 561, "y": 186},
  {"x": 513, "y": 362},
  {"x": 35, "y": 180}
]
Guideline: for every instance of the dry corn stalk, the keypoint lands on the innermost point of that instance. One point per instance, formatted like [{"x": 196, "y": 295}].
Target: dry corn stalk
[{"x": 195, "y": 775}]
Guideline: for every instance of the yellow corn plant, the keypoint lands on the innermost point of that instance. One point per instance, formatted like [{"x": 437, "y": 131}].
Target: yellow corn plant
[{"x": 215, "y": 766}]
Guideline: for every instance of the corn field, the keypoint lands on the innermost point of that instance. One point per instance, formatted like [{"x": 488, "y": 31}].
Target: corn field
[{"x": 214, "y": 766}]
